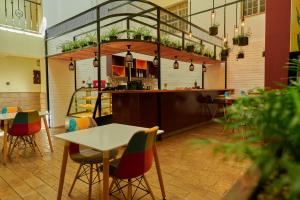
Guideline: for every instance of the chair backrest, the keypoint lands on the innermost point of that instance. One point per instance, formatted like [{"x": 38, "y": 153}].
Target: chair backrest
[
  {"x": 26, "y": 123},
  {"x": 138, "y": 157},
  {"x": 79, "y": 124}
]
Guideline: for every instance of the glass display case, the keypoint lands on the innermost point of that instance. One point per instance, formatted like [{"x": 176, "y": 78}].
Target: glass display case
[{"x": 84, "y": 103}]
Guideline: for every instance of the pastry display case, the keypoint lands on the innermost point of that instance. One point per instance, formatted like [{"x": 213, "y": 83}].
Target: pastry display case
[{"x": 84, "y": 103}]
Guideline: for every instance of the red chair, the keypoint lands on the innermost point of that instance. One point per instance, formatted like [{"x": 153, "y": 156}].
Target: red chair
[
  {"x": 24, "y": 127},
  {"x": 135, "y": 162}
]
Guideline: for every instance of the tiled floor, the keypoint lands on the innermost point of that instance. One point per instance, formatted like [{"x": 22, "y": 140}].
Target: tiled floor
[{"x": 190, "y": 171}]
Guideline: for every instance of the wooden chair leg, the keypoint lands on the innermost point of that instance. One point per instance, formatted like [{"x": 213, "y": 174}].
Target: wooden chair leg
[
  {"x": 112, "y": 184},
  {"x": 10, "y": 145},
  {"x": 98, "y": 172},
  {"x": 91, "y": 181},
  {"x": 129, "y": 192},
  {"x": 75, "y": 179},
  {"x": 36, "y": 146},
  {"x": 13, "y": 146},
  {"x": 149, "y": 188}
]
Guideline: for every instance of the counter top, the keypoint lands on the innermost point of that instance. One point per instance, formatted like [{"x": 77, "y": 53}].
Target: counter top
[{"x": 163, "y": 91}]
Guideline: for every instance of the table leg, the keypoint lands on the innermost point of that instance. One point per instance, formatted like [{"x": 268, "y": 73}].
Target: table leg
[
  {"x": 5, "y": 141},
  {"x": 63, "y": 170},
  {"x": 48, "y": 132},
  {"x": 106, "y": 175},
  {"x": 158, "y": 170}
]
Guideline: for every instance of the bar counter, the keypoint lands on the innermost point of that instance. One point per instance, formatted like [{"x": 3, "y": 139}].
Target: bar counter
[{"x": 171, "y": 110}]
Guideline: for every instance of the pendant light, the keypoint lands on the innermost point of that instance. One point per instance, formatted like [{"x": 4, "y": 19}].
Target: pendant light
[
  {"x": 192, "y": 67},
  {"x": 236, "y": 28},
  {"x": 190, "y": 33},
  {"x": 242, "y": 20},
  {"x": 204, "y": 69},
  {"x": 213, "y": 14},
  {"x": 176, "y": 64},
  {"x": 155, "y": 60},
  {"x": 95, "y": 61},
  {"x": 71, "y": 65},
  {"x": 129, "y": 57}
]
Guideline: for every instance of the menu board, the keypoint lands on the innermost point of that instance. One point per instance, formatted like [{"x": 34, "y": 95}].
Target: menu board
[{"x": 295, "y": 26}]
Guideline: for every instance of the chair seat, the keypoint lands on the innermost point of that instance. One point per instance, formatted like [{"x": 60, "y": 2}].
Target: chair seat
[{"x": 90, "y": 156}]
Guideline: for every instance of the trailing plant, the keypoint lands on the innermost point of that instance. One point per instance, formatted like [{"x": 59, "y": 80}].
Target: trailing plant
[
  {"x": 113, "y": 33},
  {"x": 91, "y": 38},
  {"x": 270, "y": 139}
]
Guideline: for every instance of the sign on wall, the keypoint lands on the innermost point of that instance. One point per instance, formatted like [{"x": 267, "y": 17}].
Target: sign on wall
[{"x": 295, "y": 26}]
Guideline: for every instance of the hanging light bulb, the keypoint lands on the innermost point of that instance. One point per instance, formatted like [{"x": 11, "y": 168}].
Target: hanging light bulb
[
  {"x": 95, "y": 61},
  {"x": 176, "y": 64},
  {"x": 71, "y": 65},
  {"x": 213, "y": 15},
  {"x": 192, "y": 67},
  {"x": 129, "y": 57},
  {"x": 190, "y": 34},
  {"x": 243, "y": 23},
  {"x": 236, "y": 29},
  {"x": 155, "y": 60}
]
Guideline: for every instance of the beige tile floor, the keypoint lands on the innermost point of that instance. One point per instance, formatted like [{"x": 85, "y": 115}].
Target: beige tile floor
[{"x": 190, "y": 171}]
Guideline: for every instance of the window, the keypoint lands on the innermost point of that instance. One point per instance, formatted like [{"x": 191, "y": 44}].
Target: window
[
  {"x": 254, "y": 7},
  {"x": 180, "y": 9}
]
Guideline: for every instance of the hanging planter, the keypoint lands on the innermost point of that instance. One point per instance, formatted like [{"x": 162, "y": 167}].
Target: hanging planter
[
  {"x": 235, "y": 41},
  {"x": 240, "y": 55},
  {"x": 213, "y": 30},
  {"x": 224, "y": 54},
  {"x": 243, "y": 40}
]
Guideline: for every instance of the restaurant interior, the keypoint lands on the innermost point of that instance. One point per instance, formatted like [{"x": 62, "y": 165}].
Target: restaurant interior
[{"x": 148, "y": 99}]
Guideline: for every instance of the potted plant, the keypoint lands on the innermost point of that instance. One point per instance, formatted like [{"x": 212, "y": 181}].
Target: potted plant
[
  {"x": 165, "y": 40},
  {"x": 224, "y": 53},
  {"x": 176, "y": 44},
  {"x": 269, "y": 125},
  {"x": 213, "y": 30},
  {"x": 91, "y": 38},
  {"x": 206, "y": 52},
  {"x": 113, "y": 33},
  {"x": 240, "y": 55},
  {"x": 147, "y": 34},
  {"x": 235, "y": 40},
  {"x": 76, "y": 44},
  {"x": 243, "y": 39},
  {"x": 199, "y": 49},
  {"x": 66, "y": 46},
  {"x": 190, "y": 47},
  {"x": 83, "y": 42},
  {"x": 138, "y": 33}
]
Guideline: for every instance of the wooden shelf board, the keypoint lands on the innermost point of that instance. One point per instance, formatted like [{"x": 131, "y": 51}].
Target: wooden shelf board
[{"x": 143, "y": 47}]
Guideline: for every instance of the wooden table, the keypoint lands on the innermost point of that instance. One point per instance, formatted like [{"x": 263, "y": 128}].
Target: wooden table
[
  {"x": 103, "y": 138},
  {"x": 10, "y": 116}
]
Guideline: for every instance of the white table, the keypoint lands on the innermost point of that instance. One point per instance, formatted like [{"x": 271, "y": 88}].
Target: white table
[
  {"x": 10, "y": 116},
  {"x": 103, "y": 138}
]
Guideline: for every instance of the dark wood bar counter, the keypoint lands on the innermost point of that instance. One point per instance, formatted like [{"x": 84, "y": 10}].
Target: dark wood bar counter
[{"x": 171, "y": 110}]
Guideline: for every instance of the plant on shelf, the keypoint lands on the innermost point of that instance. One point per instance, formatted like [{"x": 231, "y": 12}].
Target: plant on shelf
[
  {"x": 104, "y": 38},
  {"x": 207, "y": 52},
  {"x": 213, "y": 30},
  {"x": 147, "y": 34},
  {"x": 66, "y": 46},
  {"x": 91, "y": 38},
  {"x": 76, "y": 44},
  {"x": 240, "y": 54},
  {"x": 165, "y": 40},
  {"x": 176, "y": 44},
  {"x": 138, "y": 33},
  {"x": 83, "y": 42},
  {"x": 268, "y": 134},
  {"x": 113, "y": 33},
  {"x": 190, "y": 47},
  {"x": 199, "y": 49}
]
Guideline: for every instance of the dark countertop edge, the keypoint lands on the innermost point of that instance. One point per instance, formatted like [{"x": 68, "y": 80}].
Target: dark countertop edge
[{"x": 163, "y": 91}]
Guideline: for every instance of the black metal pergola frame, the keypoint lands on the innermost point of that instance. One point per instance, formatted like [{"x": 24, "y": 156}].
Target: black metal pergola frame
[{"x": 95, "y": 15}]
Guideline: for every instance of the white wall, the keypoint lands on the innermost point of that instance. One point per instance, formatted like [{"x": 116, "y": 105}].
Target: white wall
[{"x": 61, "y": 86}]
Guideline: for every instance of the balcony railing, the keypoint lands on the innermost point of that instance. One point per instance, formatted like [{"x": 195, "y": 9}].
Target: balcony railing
[{"x": 21, "y": 14}]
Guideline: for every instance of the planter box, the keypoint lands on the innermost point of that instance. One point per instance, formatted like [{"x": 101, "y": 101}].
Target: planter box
[
  {"x": 240, "y": 56},
  {"x": 243, "y": 41},
  {"x": 148, "y": 38},
  {"x": 113, "y": 37},
  {"x": 137, "y": 37},
  {"x": 213, "y": 30},
  {"x": 190, "y": 48},
  {"x": 225, "y": 53}
]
